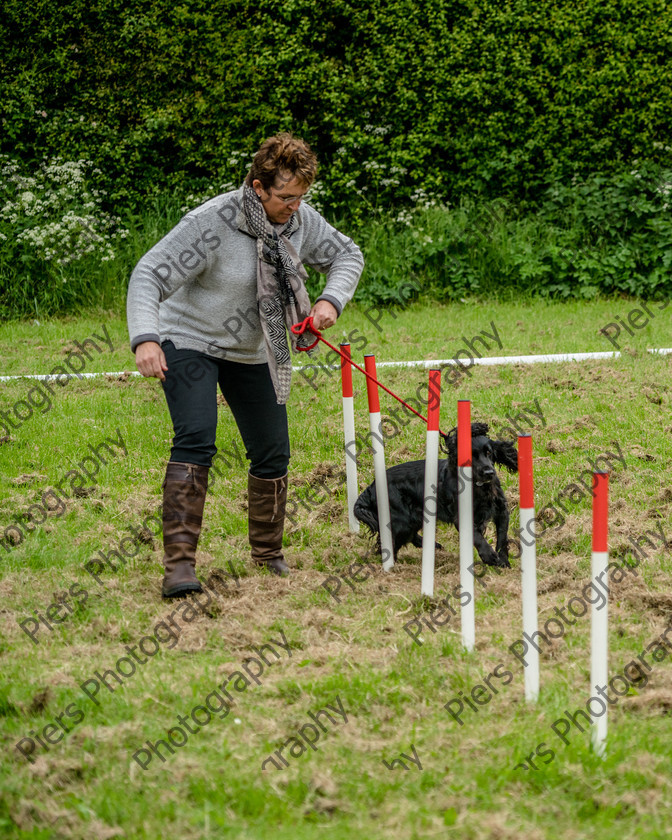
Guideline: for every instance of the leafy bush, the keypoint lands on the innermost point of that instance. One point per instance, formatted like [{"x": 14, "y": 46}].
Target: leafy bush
[
  {"x": 54, "y": 234},
  {"x": 602, "y": 235},
  {"x": 611, "y": 234}
]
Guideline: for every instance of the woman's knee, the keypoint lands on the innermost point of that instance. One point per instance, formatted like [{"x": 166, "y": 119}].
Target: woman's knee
[
  {"x": 196, "y": 445},
  {"x": 270, "y": 464}
]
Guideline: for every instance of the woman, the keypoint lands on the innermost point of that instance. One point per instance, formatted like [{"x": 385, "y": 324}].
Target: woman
[{"x": 210, "y": 304}]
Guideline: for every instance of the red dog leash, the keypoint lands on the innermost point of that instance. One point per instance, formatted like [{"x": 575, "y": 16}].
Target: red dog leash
[{"x": 307, "y": 326}]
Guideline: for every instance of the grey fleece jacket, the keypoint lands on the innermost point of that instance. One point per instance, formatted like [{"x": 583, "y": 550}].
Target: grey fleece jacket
[{"x": 197, "y": 287}]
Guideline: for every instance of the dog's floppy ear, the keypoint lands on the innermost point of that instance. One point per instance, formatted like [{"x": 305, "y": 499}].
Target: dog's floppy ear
[
  {"x": 449, "y": 443},
  {"x": 504, "y": 453}
]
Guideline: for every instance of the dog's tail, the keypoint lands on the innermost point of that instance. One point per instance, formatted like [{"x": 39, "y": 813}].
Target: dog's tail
[{"x": 367, "y": 516}]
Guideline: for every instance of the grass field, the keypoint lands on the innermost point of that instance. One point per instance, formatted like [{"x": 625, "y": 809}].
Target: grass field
[{"x": 74, "y": 775}]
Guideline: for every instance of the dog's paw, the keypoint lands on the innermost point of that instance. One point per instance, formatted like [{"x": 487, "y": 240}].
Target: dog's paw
[
  {"x": 491, "y": 558},
  {"x": 438, "y": 546},
  {"x": 503, "y": 557}
]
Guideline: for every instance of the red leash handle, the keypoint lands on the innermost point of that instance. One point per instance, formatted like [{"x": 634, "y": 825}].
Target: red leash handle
[
  {"x": 307, "y": 325},
  {"x": 302, "y": 328}
]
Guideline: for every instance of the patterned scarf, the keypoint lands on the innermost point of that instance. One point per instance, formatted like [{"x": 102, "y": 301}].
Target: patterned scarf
[{"x": 281, "y": 290}]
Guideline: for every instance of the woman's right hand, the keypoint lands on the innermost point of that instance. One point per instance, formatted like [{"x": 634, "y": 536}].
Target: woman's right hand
[{"x": 150, "y": 359}]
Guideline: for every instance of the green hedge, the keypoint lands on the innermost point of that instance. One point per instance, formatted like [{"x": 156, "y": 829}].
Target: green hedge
[{"x": 481, "y": 97}]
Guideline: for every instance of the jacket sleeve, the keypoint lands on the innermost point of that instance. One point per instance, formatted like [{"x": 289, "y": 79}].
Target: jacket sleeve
[
  {"x": 332, "y": 253},
  {"x": 177, "y": 259}
]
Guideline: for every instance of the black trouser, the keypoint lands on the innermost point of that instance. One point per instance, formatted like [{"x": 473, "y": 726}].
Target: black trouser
[{"x": 191, "y": 394}]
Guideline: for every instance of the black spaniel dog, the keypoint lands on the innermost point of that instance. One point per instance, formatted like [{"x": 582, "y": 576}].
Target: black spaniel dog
[{"x": 406, "y": 487}]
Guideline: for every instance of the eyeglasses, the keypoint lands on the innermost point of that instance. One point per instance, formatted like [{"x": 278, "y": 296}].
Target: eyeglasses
[{"x": 290, "y": 199}]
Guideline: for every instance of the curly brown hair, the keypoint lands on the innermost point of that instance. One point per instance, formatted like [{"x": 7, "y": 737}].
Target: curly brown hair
[{"x": 283, "y": 153}]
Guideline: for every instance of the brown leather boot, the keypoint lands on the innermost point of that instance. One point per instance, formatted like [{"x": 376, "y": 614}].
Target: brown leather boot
[
  {"x": 184, "y": 490},
  {"x": 267, "y": 500}
]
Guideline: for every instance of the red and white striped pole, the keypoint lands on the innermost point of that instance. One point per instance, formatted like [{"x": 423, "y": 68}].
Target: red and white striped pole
[
  {"x": 429, "y": 507},
  {"x": 528, "y": 563},
  {"x": 466, "y": 521},
  {"x": 599, "y": 623},
  {"x": 349, "y": 437},
  {"x": 380, "y": 476}
]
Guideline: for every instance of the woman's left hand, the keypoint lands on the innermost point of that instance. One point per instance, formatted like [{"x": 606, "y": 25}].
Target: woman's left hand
[{"x": 324, "y": 315}]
